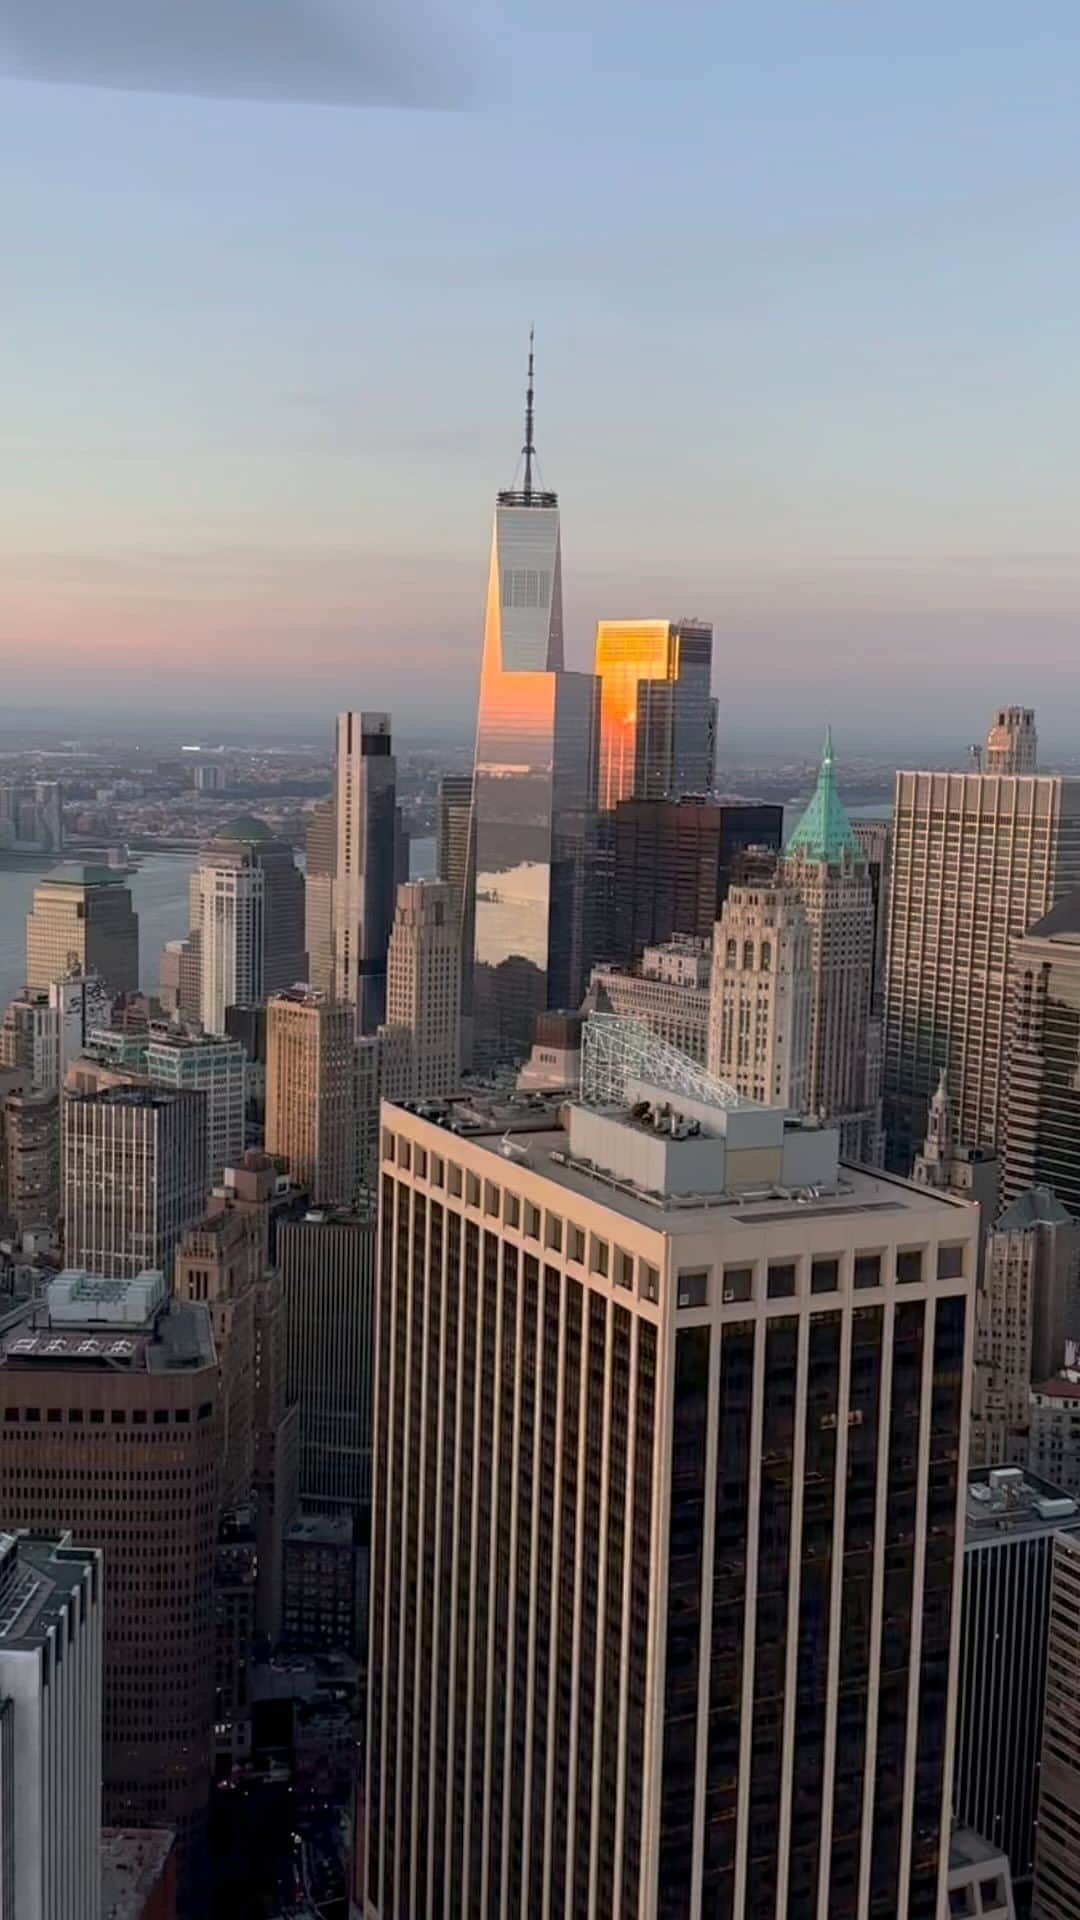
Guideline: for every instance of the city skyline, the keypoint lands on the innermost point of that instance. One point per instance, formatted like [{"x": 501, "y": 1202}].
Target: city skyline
[{"x": 889, "y": 503}]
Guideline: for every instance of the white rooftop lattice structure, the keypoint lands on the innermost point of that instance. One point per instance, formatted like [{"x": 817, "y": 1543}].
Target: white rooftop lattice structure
[{"x": 618, "y": 1053}]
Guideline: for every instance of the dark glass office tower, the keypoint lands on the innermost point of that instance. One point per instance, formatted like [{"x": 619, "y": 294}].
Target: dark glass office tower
[
  {"x": 535, "y": 781},
  {"x": 673, "y": 865}
]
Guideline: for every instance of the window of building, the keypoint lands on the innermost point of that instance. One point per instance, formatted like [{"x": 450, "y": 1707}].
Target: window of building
[
  {"x": 575, "y": 1246},
  {"x": 624, "y": 1268},
  {"x": 693, "y": 1287},
  {"x": 599, "y": 1256},
  {"x": 532, "y": 1221},
  {"x": 491, "y": 1199},
  {"x": 868, "y": 1269},
  {"x": 404, "y": 1155},
  {"x": 738, "y": 1284},
  {"x": 436, "y": 1170},
  {"x": 387, "y": 1144},
  {"x": 950, "y": 1262},
  {"x": 824, "y": 1274},
  {"x": 648, "y": 1281},
  {"x": 553, "y": 1232},
  {"x": 511, "y": 1210},
  {"x": 781, "y": 1279},
  {"x": 453, "y": 1179},
  {"x": 420, "y": 1163},
  {"x": 909, "y": 1265}
]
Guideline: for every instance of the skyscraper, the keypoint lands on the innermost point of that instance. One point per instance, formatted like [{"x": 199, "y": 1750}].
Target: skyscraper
[
  {"x": 673, "y": 865},
  {"x": 311, "y": 1092},
  {"x": 365, "y": 862},
  {"x": 215, "y": 1067},
  {"x": 217, "y": 1264},
  {"x": 110, "y": 1409},
  {"x": 30, "y": 1132},
  {"x": 824, "y": 862},
  {"x": 320, "y": 856},
  {"x": 327, "y": 1266},
  {"x": 453, "y": 838},
  {"x": 1028, "y": 1307},
  {"x": 420, "y": 1042},
  {"x": 669, "y": 995},
  {"x": 32, "y": 817},
  {"x": 977, "y": 859},
  {"x": 1042, "y": 1105},
  {"x": 760, "y": 995},
  {"x": 636, "y": 1483},
  {"x": 1012, "y": 744},
  {"x": 134, "y": 1176},
  {"x": 452, "y": 834},
  {"x": 45, "y": 1028},
  {"x": 51, "y": 1603},
  {"x": 1056, "y": 1886},
  {"x": 82, "y": 920},
  {"x": 247, "y": 900},
  {"x": 657, "y": 722},
  {"x": 534, "y": 794},
  {"x": 231, "y": 918},
  {"x": 1011, "y": 1521}
]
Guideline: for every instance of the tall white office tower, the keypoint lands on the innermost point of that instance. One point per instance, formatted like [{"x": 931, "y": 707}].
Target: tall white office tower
[
  {"x": 51, "y": 1604},
  {"x": 977, "y": 859},
  {"x": 534, "y": 791},
  {"x": 231, "y": 911},
  {"x": 1012, "y": 743},
  {"x": 760, "y": 995},
  {"x": 421, "y": 1040},
  {"x": 365, "y": 862},
  {"x": 669, "y": 1442},
  {"x": 825, "y": 863}
]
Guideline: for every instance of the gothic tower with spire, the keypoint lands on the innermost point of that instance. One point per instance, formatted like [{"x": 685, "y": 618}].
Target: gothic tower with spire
[
  {"x": 534, "y": 791},
  {"x": 824, "y": 862}
]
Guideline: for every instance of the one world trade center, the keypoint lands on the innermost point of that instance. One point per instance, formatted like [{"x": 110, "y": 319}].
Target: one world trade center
[{"x": 534, "y": 790}]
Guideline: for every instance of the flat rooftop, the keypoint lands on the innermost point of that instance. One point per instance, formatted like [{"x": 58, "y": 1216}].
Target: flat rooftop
[
  {"x": 527, "y": 1133},
  {"x": 320, "y": 1529},
  {"x": 1011, "y": 1503},
  {"x": 177, "y": 1339},
  {"x": 968, "y": 1849},
  {"x": 39, "y": 1573},
  {"x": 133, "y": 1860}
]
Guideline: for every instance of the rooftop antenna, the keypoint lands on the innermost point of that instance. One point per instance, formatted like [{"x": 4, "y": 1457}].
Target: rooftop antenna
[{"x": 529, "y": 448}]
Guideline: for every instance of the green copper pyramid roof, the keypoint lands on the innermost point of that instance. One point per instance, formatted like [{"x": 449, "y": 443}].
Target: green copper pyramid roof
[{"x": 824, "y": 832}]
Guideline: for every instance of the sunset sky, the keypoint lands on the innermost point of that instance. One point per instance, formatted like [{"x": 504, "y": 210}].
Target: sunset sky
[{"x": 805, "y": 279}]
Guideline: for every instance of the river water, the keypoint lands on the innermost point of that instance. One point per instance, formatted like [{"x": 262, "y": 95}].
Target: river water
[{"x": 159, "y": 893}]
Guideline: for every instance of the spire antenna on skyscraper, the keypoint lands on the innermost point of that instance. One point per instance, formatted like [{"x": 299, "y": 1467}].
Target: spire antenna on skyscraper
[
  {"x": 529, "y": 449},
  {"x": 531, "y": 492}
]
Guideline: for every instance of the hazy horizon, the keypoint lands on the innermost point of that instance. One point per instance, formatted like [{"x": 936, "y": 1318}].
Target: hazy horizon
[{"x": 805, "y": 362}]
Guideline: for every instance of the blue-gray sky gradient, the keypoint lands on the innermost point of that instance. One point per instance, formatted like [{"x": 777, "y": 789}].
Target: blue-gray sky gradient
[{"x": 804, "y": 278}]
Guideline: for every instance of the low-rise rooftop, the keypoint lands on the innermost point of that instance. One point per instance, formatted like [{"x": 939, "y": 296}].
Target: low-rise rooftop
[
  {"x": 1010, "y": 1501},
  {"x": 134, "y": 1860},
  {"x": 39, "y": 1573}
]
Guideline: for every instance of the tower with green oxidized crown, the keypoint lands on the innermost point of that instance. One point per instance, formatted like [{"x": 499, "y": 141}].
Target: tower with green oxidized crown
[{"x": 824, "y": 861}]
